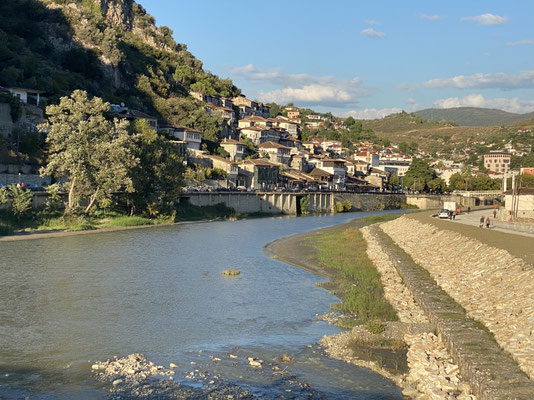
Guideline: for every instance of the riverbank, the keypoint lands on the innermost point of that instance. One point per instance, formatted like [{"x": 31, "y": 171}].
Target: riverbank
[
  {"x": 121, "y": 223},
  {"x": 495, "y": 289}
]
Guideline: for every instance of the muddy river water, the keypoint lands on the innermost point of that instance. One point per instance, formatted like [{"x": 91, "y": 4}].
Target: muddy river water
[{"x": 67, "y": 302}]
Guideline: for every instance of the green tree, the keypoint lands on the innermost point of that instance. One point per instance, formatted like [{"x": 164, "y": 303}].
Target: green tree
[
  {"x": 158, "y": 178},
  {"x": 274, "y": 110},
  {"x": 457, "y": 182},
  {"x": 418, "y": 175},
  {"x": 20, "y": 200},
  {"x": 437, "y": 185},
  {"x": 393, "y": 179},
  {"x": 92, "y": 153}
]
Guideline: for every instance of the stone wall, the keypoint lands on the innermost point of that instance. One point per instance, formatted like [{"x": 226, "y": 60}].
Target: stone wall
[
  {"x": 432, "y": 373},
  {"x": 27, "y": 179},
  {"x": 494, "y": 287},
  {"x": 372, "y": 201},
  {"x": 430, "y": 202}
]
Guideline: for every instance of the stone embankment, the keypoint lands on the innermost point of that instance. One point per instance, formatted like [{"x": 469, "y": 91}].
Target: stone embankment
[
  {"x": 432, "y": 373},
  {"x": 494, "y": 287}
]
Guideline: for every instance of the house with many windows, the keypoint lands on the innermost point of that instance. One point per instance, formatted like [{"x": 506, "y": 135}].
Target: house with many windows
[
  {"x": 497, "y": 162},
  {"x": 276, "y": 152}
]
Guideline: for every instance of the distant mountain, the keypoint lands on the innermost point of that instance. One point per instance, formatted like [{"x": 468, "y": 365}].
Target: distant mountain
[{"x": 472, "y": 116}]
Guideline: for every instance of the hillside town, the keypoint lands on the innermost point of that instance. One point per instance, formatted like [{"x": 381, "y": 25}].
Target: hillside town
[{"x": 257, "y": 152}]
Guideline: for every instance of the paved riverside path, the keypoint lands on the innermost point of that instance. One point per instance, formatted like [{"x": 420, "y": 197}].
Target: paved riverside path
[
  {"x": 473, "y": 219},
  {"x": 518, "y": 245},
  {"x": 491, "y": 372}
]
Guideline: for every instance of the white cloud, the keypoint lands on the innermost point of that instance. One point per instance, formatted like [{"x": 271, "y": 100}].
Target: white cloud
[
  {"x": 487, "y": 19},
  {"x": 513, "y": 105},
  {"x": 303, "y": 87},
  {"x": 521, "y": 42},
  {"x": 410, "y": 100},
  {"x": 370, "y": 32},
  {"x": 371, "y": 22},
  {"x": 373, "y": 113},
  {"x": 430, "y": 17},
  {"x": 500, "y": 80}
]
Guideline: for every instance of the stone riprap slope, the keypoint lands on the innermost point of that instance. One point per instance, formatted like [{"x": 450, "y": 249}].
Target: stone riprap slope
[
  {"x": 494, "y": 287},
  {"x": 432, "y": 373}
]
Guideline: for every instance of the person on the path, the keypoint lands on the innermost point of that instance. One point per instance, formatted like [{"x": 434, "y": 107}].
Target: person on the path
[
  {"x": 481, "y": 222},
  {"x": 454, "y": 215},
  {"x": 494, "y": 214},
  {"x": 458, "y": 210},
  {"x": 488, "y": 222},
  {"x": 468, "y": 210}
]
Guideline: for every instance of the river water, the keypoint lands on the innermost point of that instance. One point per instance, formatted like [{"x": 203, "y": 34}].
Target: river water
[{"x": 67, "y": 302}]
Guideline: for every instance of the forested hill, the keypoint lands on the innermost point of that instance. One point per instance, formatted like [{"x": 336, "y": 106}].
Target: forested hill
[
  {"x": 112, "y": 49},
  {"x": 473, "y": 116}
]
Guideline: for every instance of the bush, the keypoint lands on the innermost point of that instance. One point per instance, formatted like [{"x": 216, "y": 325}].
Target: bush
[
  {"x": 5, "y": 229},
  {"x": 339, "y": 207},
  {"x": 347, "y": 205},
  {"x": 304, "y": 204},
  {"x": 20, "y": 199}
]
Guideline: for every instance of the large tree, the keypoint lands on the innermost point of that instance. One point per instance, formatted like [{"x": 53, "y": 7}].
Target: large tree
[
  {"x": 93, "y": 154},
  {"x": 419, "y": 174},
  {"x": 158, "y": 178}
]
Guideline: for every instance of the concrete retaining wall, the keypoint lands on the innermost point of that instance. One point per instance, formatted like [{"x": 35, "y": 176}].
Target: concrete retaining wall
[
  {"x": 27, "y": 179},
  {"x": 432, "y": 202}
]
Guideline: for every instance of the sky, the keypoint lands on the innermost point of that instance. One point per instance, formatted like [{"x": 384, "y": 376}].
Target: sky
[{"x": 367, "y": 59}]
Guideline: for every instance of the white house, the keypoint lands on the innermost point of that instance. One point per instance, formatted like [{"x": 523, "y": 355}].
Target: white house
[
  {"x": 30, "y": 96},
  {"x": 190, "y": 136}
]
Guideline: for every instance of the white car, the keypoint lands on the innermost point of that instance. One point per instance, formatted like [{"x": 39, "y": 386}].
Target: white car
[{"x": 443, "y": 213}]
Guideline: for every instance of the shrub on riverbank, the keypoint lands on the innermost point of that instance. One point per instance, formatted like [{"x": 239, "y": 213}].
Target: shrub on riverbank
[{"x": 361, "y": 291}]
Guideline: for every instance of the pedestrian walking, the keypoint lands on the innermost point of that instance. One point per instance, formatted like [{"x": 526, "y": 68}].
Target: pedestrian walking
[
  {"x": 481, "y": 222},
  {"x": 494, "y": 214},
  {"x": 468, "y": 210},
  {"x": 488, "y": 222},
  {"x": 454, "y": 215}
]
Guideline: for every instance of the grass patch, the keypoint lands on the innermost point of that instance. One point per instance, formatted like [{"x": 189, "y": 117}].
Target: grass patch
[
  {"x": 360, "y": 289},
  {"x": 231, "y": 272},
  {"x": 373, "y": 219},
  {"x": 67, "y": 223},
  {"x": 126, "y": 220}
]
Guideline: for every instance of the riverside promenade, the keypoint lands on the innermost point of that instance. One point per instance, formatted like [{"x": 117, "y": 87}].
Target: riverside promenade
[{"x": 501, "y": 235}]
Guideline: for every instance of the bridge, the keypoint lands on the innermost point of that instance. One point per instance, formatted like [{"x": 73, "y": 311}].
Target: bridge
[{"x": 291, "y": 202}]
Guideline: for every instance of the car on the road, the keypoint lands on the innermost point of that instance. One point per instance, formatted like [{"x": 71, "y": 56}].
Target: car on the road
[{"x": 444, "y": 213}]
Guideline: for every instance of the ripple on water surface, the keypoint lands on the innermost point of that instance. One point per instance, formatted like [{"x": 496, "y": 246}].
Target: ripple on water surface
[{"x": 160, "y": 292}]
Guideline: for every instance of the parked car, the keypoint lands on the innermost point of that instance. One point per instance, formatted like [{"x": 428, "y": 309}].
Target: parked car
[{"x": 444, "y": 213}]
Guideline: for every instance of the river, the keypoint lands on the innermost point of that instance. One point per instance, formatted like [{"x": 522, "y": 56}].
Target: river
[{"x": 67, "y": 302}]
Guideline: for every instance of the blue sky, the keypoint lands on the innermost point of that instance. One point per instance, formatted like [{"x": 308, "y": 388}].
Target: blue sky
[{"x": 365, "y": 59}]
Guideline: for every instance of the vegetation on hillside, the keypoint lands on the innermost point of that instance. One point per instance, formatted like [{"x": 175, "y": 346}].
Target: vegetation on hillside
[
  {"x": 473, "y": 116},
  {"x": 62, "y": 45}
]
